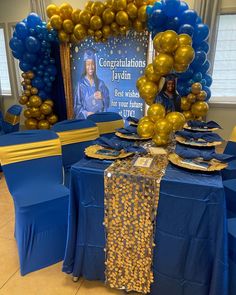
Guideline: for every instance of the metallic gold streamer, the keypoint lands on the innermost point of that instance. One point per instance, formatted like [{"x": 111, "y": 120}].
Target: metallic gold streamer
[
  {"x": 109, "y": 127},
  {"x": 79, "y": 135}
]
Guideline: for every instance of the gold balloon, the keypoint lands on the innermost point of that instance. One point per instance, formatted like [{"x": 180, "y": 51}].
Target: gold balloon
[
  {"x": 151, "y": 75},
  {"x": 91, "y": 32},
  {"x": 65, "y": 11},
  {"x": 35, "y": 101},
  {"x": 104, "y": 39},
  {"x": 35, "y": 112},
  {"x": 149, "y": 100},
  {"x": 23, "y": 83},
  {"x": 156, "y": 42},
  {"x": 95, "y": 22},
  {"x": 161, "y": 139},
  {"x": 23, "y": 99},
  {"x": 138, "y": 25},
  {"x": 46, "y": 109},
  {"x": 184, "y": 55},
  {"x": 75, "y": 16},
  {"x": 41, "y": 117},
  {"x": 28, "y": 87},
  {"x": 49, "y": 26},
  {"x": 191, "y": 97},
  {"x": 49, "y": 101},
  {"x": 43, "y": 124},
  {"x": 123, "y": 30},
  {"x": 88, "y": 5},
  {"x": 106, "y": 31},
  {"x": 34, "y": 90},
  {"x": 145, "y": 129},
  {"x": 98, "y": 34},
  {"x": 142, "y": 15},
  {"x": 80, "y": 32},
  {"x": 149, "y": 89},
  {"x": 196, "y": 88},
  {"x": 163, "y": 126},
  {"x": 119, "y": 4},
  {"x": 63, "y": 36},
  {"x": 141, "y": 81},
  {"x": 27, "y": 81},
  {"x": 144, "y": 119},
  {"x": 185, "y": 104},
  {"x": 188, "y": 115},
  {"x": 176, "y": 119},
  {"x": 28, "y": 104},
  {"x": 52, "y": 119},
  {"x": 30, "y": 75},
  {"x": 163, "y": 63},
  {"x": 169, "y": 41},
  {"x": 108, "y": 16},
  {"x": 156, "y": 111},
  {"x": 180, "y": 68},
  {"x": 31, "y": 123},
  {"x": 141, "y": 2},
  {"x": 200, "y": 108},
  {"x": 132, "y": 10},
  {"x": 52, "y": 9},
  {"x": 56, "y": 22},
  {"x": 185, "y": 39},
  {"x": 202, "y": 95},
  {"x": 68, "y": 26},
  {"x": 24, "y": 75},
  {"x": 97, "y": 8},
  {"x": 27, "y": 113},
  {"x": 122, "y": 18},
  {"x": 73, "y": 39},
  {"x": 115, "y": 27},
  {"x": 108, "y": 3},
  {"x": 85, "y": 17},
  {"x": 27, "y": 92}
]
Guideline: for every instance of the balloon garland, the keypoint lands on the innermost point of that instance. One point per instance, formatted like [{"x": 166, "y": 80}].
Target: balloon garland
[{"x": 31, "y": 45}]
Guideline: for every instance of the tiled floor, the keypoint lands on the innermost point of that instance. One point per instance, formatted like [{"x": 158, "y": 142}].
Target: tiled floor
[{"x": 48, "y": 281}]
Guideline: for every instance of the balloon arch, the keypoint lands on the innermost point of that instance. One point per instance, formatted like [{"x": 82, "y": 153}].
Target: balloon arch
[{"x": 179, "y": 39}]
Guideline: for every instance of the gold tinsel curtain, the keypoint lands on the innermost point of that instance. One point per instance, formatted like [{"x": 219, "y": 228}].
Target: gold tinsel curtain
[{"x": 66, "y": 73}]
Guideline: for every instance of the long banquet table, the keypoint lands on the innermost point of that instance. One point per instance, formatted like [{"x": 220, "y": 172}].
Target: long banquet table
[{"x": 190, "y": 256}]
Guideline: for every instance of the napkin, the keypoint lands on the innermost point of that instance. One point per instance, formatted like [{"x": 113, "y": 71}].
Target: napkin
[
  {"x": 128, "y": 130},
  {"x": 206, "y": 136},
  {"x": 207, "y": 155},
  {"x": 204, "y": 125},
  {"x": 119, "y": 145},
  {"x": 132, "y": 119}
]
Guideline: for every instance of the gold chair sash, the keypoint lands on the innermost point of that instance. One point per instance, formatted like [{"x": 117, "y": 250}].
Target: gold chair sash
[
  {"x": 29, "y": 151},
  {"x": 12, "y": 119},
  {"x": 109, "y": 127},
  {"x": 233, "y": 135},
  {"x": 79, "y": 135}
]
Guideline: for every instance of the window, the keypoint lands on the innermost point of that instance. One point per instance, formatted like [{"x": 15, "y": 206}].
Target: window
[
  {"x": 224, "y": 70},
  {"x": 5, "y": 85}
]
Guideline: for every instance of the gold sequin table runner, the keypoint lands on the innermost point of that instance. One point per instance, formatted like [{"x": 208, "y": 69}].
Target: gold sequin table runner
[{"x": 131, "y": 201}]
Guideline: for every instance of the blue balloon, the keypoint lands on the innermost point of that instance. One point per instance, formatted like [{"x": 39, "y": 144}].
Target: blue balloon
[
  {"x": 158, "y": 18},
  {"x": 24, "y": 66},
  {"x": 182, "y": 88},
  {"x": 16, "y": 45},
  {"x": 173, "y": 23},
  {"x": 52, "y": 70},
  {"x": 47, "y": 89},
  {"x": 30, "y": 58},
  {"x": 17, "y": 54},
  {"x": 186, "y": 29},
  {"x": 52, "y": 78},
  {"x": 201, "y": 32},
  {"x": 157, "y": 5},
  {"x": 183, "y": 6},
  {"x": 205, "y": 67},
  {"x": 33, "y": 20},
  {"x": 190, "y": 82},
  {"x": 171, "y": 7},
  {"x": 202, "y": 46},
  {"x": 197, "y": 77},
  {"x": 21, "y": 30},
  {"x": 43, "y": 94},
  {"x": 188, "y": 74},
  {"x": 208, "y": 91},
  {"x": 189, "y": 17},
  {"x": 200, "y": 58},
  {"x": 40, "y": 73},
  {"x": 32, "y": 44},
  {"x": 203, "y": 82},
  {"x": 38, "y": 83},
  {"x": 208, "y": 79},
  {"x": 199, "y": 20}
]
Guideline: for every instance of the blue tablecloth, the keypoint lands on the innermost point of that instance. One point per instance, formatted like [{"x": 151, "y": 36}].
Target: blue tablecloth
[{"x": 190, "y": 257}]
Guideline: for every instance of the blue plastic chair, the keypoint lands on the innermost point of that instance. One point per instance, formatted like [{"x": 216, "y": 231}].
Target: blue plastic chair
[
  {"x": 75, "y": 136},
  {"x": 230, "y": 171},
  {"x": 11, "y": 122},
  {"x": 107, "y": 123},
  {"x": 232, "y": 255},
  {"x": 32, "y": 165}
]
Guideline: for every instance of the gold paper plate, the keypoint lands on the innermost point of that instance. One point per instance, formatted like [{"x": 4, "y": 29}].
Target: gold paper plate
[
  {"x": 130, "y": 136},
  {"x": 91, "y": 152},
  {"x": 183, "y": 140},
  {"x": 199, "y": 129},
  {"x": 214, "y": 164}
]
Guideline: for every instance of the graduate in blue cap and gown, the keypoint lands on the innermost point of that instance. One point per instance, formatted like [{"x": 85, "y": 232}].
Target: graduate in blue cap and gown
[
  {"x": 168, "y": 96},
  {"x": 92, "y": 95}
]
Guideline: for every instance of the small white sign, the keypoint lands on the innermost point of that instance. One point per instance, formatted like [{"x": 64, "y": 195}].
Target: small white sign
[
  {"x": 143, "y": 162},
  {"x": 157, "y": 151}
]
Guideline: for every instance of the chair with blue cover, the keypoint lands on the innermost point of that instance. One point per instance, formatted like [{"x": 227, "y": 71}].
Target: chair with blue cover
[
  {"x": 32, "y": 165},
  {"x": 232, "y": 255},
  {"x": 230, "y": 171},
  {"x": 1, "y": 123},
  {"x": 107, "y": 122},
  {"x": 75, "y": 136},
  {"x": 11, "y": 121}
]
